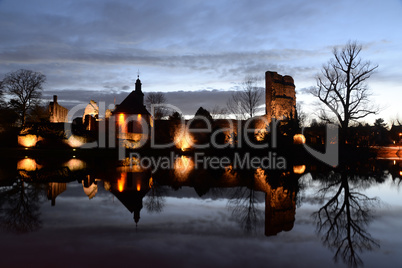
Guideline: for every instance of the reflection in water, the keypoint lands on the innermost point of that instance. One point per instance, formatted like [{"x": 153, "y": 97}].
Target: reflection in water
[
  {"x": 343, "y": 219},
  {"x": 19, "y": 209},
  {"x": 280, "y": 203},
  {"x": 130, "y": 189},
  {"x": 27, "y": 164},
  {"x": 182, "y": 167},
  {"x": 55, "y": 189},
  {"x": 75, "y": 164},
  {"x": 244, "y": 207},
  {"x": 121, "y": 181},
  {"x": 90, "y": 186},
  {"x": 154, "y": 201}
]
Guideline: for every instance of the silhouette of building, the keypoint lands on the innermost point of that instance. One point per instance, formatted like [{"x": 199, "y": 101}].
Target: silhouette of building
[
  {"x": 132, "y": 118},
  {"x": 280, "y": 96},
  {"x": 58, "y": 114},
  {"x": 396, "y": 134}
]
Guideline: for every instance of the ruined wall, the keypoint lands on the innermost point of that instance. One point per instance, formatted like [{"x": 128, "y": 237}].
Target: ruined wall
[
  {"x": 280, "y": 95},
  {"x": 58, "y": 114}
]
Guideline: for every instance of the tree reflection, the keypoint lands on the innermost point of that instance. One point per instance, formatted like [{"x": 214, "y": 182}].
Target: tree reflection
[
  {"x": 155, "y": 200},
  {"x": 20, "y": 206},
  {"x": 244, "y": 206},
  {"x": 245, "y": 209},
  {"x": 343, "y": 219}
]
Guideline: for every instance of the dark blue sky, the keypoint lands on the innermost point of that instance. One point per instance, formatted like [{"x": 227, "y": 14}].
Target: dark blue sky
[{"x": 95, "y": 48}]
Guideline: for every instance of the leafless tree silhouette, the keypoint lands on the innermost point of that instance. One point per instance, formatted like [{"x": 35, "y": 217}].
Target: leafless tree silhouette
[
  {"x": 25, "y": 88},
  {"x": 342, "y": 89},
  {"x": 218, "y": 112},
  {"x": 244, "y": 103},
  {"x": 157, "y": 100}
]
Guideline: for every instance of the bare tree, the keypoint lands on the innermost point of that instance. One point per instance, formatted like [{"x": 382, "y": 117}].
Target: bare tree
[
  {"x": 244, "y": 103},
  {"x": 156, "y": 100},
  {"x": 301, "y": 115},
  {"x": 218, "y": 112},
  {"x": 396, "y": 121},
  {"x": 342, "y": 88},
  {"x": 2, "y": 102},
  {"x": 25, "y": 88}
]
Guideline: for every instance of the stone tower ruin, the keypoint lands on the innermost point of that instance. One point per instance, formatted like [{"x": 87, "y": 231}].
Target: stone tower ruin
[{"x": 280, "y": 96}]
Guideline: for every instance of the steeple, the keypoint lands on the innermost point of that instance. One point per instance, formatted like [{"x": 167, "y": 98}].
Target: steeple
[
  {"x": 138, "y": 84},
  {"x": 134, "y": 102}
]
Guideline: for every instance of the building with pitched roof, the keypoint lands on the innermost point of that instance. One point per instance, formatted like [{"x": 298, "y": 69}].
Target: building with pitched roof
[{"x": 133, "y": 121}]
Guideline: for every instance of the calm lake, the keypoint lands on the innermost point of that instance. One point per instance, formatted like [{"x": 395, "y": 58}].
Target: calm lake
[{"x": 85, "y": 212}]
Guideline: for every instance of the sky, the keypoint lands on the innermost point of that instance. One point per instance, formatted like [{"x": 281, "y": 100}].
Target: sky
[{"x": 197, "y": 52}]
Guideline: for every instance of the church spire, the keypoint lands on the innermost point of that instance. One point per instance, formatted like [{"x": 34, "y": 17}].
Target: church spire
[{"x": 138, "y": 83}]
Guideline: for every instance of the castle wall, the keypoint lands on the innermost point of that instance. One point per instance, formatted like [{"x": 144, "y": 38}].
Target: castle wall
[
  {"x": 58, "y": 114},
  {"x": 280, "y": 96}
]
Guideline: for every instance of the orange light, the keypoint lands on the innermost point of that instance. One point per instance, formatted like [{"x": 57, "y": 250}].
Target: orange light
[
  {"x": 138, "y": 186},
  {"x": 400, "y": 173},
  {"x": 121, "y": 119},
  {"x": 139, "y": 117},
  {"x": 299, "y": 139},
  {"x": 299, "y": 169},
  {"x": 75, "y": 164},
  {"x": 151, "y": 182},
  {"x": 121, "y": 181},
  {"x": 28, "y": 140},
  {"x": 122, "y": 123},
  {"x": 182, "y": 167},
  {"x": 27, "y": 164},
  {"x": 76, "y": 141}
]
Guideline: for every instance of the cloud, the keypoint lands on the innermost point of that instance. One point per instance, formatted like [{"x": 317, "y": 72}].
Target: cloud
[
  {"x": 187, "y": 45},
  {"x": 303, "y": 91}
]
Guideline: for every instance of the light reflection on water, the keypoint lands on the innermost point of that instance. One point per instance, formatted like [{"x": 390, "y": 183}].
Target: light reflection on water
[{"x": 341, "y": 209}]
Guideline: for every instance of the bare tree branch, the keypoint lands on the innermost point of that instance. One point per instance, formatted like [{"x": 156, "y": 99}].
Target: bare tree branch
[
  {"x": 341, "y": 85},
  {"x": 244, "y": 103},
  {"x": 25, "y": 88},
  {"x": 155, "y": 100}
]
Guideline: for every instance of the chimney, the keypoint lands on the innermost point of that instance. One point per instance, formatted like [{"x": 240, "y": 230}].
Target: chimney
[{"x": 55, "y": 99}]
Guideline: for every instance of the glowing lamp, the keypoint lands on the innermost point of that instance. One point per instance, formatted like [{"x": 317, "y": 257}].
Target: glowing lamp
[
  {"x": 299, "y": 139},
  {"x": 299, "y": 169}
]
